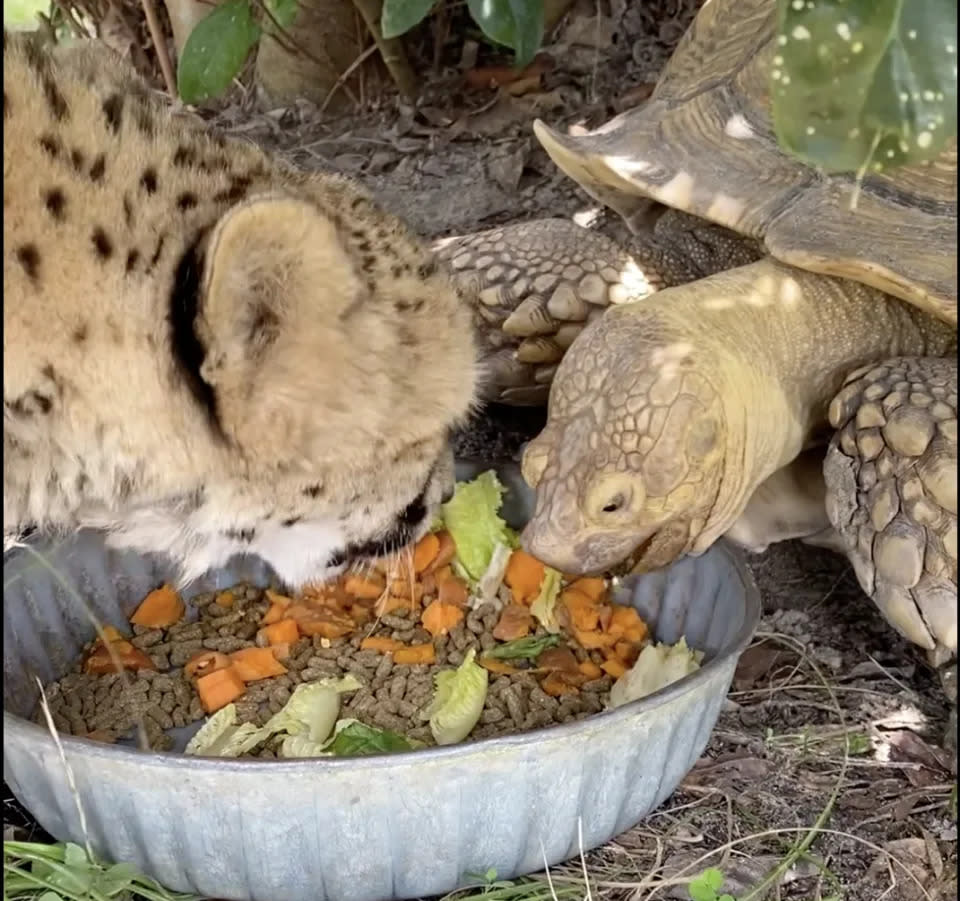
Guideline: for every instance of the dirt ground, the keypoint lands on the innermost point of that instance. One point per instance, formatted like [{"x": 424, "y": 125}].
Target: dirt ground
[{"x": 833, "y": 720}]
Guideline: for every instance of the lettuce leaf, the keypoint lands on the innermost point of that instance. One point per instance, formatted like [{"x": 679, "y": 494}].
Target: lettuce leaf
[
  {"x": 656, "y": 667},
  {"x": 472, "y": 517},
  {"x": 220, "y": 736},
  {"x": 543, "y": 607},
  {"x": 458, "y": 699},
  {"x": 312, "y": 709},
  {"x": 353, "y": 739}
]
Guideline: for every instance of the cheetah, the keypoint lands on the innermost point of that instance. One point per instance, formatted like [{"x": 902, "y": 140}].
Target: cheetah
[{"x": 205, "y": 351}]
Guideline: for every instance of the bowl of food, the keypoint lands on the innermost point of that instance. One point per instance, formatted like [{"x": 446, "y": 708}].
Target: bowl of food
[{"x": 458, "y": 708}]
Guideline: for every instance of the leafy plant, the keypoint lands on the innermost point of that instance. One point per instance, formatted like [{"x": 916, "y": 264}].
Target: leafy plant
[
  {"x": 219, "y": 45},
  {"x": 33, "y": 871},
  {"x": 865, "y": 85},
  {"x": 517, "y": 24},
  {"x": 707, "y": 885}
]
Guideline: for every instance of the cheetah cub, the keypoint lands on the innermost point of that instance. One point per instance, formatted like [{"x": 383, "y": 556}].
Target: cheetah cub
[{"x": 205, "y": 352}]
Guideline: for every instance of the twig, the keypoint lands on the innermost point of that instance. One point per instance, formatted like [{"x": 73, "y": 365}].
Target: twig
[
  {"x": 345, "y": 75},
  {"x": 160, "y": 45},
  {"x": 391, "y": 49}
]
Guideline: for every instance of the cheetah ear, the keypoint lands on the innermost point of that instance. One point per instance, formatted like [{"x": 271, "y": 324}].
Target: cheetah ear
[{"x": 275, "y": 266}]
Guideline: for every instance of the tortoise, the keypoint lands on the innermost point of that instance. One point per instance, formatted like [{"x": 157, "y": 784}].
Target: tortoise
[{"x": 765, "y": 362}]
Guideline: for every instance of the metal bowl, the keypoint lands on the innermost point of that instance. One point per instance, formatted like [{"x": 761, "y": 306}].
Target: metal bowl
[{"x": 363, "y": 829}]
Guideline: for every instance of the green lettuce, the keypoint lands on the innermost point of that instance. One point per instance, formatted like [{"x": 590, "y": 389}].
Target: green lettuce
[
  {"x": 543, "y": 607},
  {"x": 472, "y": 517},
  {"x": 656, "y": 667},
  {"x": 458, "y": 699}
]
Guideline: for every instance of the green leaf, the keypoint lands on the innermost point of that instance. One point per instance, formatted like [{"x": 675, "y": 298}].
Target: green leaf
[
  {"x": 544, "y": 607},
  {"x": 116, "y": 879},
  {"x": 355, "y": 739},
  {"x": 524, "y": 648},
  {"x": 865, "y": 85},
  {"x": 473, "y": 519},
  {"x": 706, "y": 885},
  {"x": 216, "y": 51},
  {"x": 517, "y": 24},
  {"x": 399, "y": 16},
  {"x": 458, "y": 699},
  {"x": 284, "y": 11}
]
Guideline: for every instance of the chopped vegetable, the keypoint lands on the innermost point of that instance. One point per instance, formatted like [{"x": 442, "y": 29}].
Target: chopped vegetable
[
  {"x": 159, "y": 609},
  {"x": 524, "y": 576},
  {"x": 279, "y": 605},
  {"x": 524, "y": 648},
  {"x": 105, "y": 658},
  {"x": 425, "y": 551},
  {"x": 558, "y": 684},
  {"x": 225, "y": 599},
  {"x": 625, "y": 622},
  {"x": 391, "y": 603},
  {"x": 544, "y": 607},
  {"x": 204, "y": 662},
  {"x": 590, "y": 669},
  {"x": 218, "y": 688},
  {"x": 515, "y": 622},
  {"x": 594, "y": 588},
  {"x": 384, "y": 645},
  {"x": 498, "y": 666},
  {"x": 561, "y": 660},
  {"x": 446, "y": 551},
  {"x": 361, "y": 587},
  {"x": 415, "y": 653},
  {"x": 220, "y": 736},
  {"x": 583, "y": 612},
  {"x": 299, "y": 746},
  {"x": 492, "y": 578},
  {"x": 614, "y": 667},
  {"x": 656, "y": 667},
  {"x": 354, "y": 739},
  {"x": 111, "y": 633},
  {"x": 284, "y": 631},
  {"x": 452, "y": 591},
  {"x": 312, "y": 709},
  {"x": 459, "y": 696},
  {"x": 440, "y": 617},
  {"x": 253, "y": 664},
  {"x": 473, "y": 521},
  {"x": 593, "y": 639}
]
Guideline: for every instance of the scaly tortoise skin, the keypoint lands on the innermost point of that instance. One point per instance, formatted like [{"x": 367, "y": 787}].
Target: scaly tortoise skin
[{"x": 770, "y": 362}]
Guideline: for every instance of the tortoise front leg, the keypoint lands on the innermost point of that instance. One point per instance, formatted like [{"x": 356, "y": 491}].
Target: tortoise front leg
[
  {"x": 891, "y": 476},
  {"x": 536, "y": 285}
]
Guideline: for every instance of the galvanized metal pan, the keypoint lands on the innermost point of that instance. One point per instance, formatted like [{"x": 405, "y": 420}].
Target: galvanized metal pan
[{"x": 367, "y": 829}]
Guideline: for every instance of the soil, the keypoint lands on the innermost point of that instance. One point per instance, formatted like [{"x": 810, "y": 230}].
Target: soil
[{"x": 833, "y": 720}]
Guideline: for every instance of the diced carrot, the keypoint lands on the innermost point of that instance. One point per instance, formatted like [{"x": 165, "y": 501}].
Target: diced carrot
[
  {"x": 524, "y": 576},
  {"x": 225, "y": 599},
  {"x": 590, "y": 669},
  {"x": 219, "y": 688},
  {"x": 111, "y": 633},
  {"x": 325, "y": 628},
  {"x": 390, "y": 603},
  {"x": 414, "y": 654},
  {"x": 627, "y": 652},
  {"x": 204, "y": 662},
  {"x": 558, "y": 660},
  {"x": 636, "y": 634},
  {"x": 446, "y": 552},
  {"x": 442, "y": 573},
  {"x": 104, "y": 658},
  {"x": 281, "y": 650},
  {"x": 382, "y": 644},
  {"x": 614, "y": 667},
  {"x": 500, "y": 667},
  {"x": 623, "y": 619},
  {"x": 582, "y": 611},
  {"x": 159, "y": 609},
  {"x": 279, "y": 605},
  {"x": 591, "y": 639},
  {"x": 406, "y": 588},
  {"x": 253, "y": 664},
  {"x": 103, "y": 735},
  {"x": 557, "y": 684},
  {"x": 515, "y": 622},
  {"x": 439, "y": 617},
  {"x": 453, "y": 591},
  {"x": 286, "y": 630},
  {"x": 593, "y": 588},
  {"x": 363, "y": 586},
  {"x": 425, "y": 552}
]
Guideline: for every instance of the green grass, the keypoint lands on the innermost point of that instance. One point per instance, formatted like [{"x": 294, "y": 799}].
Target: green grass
[{"x": 22, "y": 14}]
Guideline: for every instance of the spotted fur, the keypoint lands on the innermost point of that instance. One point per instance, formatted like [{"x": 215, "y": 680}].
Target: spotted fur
[{"x": 206, "y": 352}]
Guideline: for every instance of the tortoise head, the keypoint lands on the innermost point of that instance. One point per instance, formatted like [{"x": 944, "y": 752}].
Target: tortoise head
[{"x": 630, "y": 466}]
